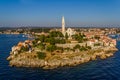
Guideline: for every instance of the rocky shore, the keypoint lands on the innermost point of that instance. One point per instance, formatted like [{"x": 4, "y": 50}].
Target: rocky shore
[{"x": 27, "y": 59}]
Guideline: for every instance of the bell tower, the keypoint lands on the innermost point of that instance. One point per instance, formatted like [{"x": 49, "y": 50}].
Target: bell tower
[{"x": 63, "y": 25}]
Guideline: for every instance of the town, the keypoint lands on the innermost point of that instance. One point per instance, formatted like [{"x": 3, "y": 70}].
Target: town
[{"x": 54, "y": 47}]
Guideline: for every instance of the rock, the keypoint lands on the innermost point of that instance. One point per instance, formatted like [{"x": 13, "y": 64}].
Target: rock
[
  {"x": 93, "y": 57},
  {"x": 109, "y": 55},
  {"x": 103, "y": 56},
  {"x": 31, "y": 60},
  {"x": 10, "y": 57}
]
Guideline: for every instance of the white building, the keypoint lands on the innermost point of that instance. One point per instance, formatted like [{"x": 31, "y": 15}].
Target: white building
[{"x": 69, "y": 31}]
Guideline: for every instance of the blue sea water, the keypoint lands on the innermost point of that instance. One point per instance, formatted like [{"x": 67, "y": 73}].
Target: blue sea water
[{"x": 108, "y": 69}]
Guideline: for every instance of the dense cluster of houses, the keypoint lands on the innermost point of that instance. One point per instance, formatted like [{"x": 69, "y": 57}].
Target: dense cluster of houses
[
  {"x": 95, "y": 38},
  {"x": 102, "y": 39},
  {"x": 26, "y": 44}
]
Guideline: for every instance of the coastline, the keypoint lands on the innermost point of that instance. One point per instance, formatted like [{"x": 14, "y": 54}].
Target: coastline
[
  {"x": 56, "y": 49},
  {"x": 30, "y": 60}
]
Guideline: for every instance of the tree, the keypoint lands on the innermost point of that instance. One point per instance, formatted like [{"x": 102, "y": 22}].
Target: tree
[
  {"x": 42, "y": 38},
  {"x": 56, "y": 34},
  {"x": 83, "y": 48},
  {"x": 67, "y": 48},
  {"x": 77, "y": 46},
  {"x": 51, "y": 48},
  {"x": 79, "y": 37},
  {"x": 60, "y": 34},
  {"x": 50, "y": 40},
  {"x": 88, "y": 47},
  {"x": 41, "y": 55},
  {"x": 41, "y": 46},
  {"x": 24, "y": 49},
  {"x": 61, "y": 41},
  {"x": 66, "y": 36}
]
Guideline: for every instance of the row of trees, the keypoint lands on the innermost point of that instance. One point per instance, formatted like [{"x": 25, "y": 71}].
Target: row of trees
[
  {"x": 48, "y": 42},
  {"x": 79, "y": 37},
  {"x": 58, "y": 37},
  {"x": 82, "y": 48},
  {"x": 53, "y": 38}
]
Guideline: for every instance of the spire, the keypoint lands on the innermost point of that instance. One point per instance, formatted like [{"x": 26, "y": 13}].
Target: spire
[{"x": 63, "y": 25}]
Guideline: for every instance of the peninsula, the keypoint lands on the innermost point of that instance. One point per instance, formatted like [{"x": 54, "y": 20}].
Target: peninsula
[{"x": 61, "y": 47}]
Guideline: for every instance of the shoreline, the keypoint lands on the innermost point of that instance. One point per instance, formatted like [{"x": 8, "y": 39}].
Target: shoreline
[{"x": 27, "y": 60}]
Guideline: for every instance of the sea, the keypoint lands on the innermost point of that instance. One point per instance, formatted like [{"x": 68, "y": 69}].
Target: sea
[{"x": 108, "y": 69}]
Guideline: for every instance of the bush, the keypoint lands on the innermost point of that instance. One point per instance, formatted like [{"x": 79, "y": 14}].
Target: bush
[
  {"x": 41, "y": 55},
  {"x": 56, "y": 34},
  {"x": 88, "y": 47},
  {"x": 34, "y": 43},
  {"x": 83, "y": 48},
  {"x": 42, "y": 38},
  {"x": 61, "y": 41},
  {"x": 51, "y": 48},
  {"x": 24, "y": 49},
  {"x": 97, "y": 44},
  {"x": 77, "y": 46},
  {"x": 60, "y": 48},
  {"x": 41, "y": 46}
]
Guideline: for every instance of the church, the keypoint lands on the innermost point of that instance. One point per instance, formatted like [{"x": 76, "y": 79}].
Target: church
[{"x": 69, "y": 31}]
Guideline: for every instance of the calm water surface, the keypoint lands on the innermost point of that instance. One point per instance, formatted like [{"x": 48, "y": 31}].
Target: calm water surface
[{"x": 108, "y": 69}]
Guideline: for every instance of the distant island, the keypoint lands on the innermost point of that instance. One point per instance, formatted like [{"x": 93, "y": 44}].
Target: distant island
[{"x": 63, "y": 47}]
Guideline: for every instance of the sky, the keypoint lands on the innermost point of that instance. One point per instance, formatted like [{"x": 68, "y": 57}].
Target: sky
[{"x": 48, "y": 13}]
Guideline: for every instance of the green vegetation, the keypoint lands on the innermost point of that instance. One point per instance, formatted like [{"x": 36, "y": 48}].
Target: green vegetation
[
  {"x": 41, "y": 46},
  {"x": 60, "y": 48},
  {"x": 97, "y": 44},
  {"x": 81, "y": 48},
  {"x": 56, "y": 34},
  {"x": 60, "y": 41},
  {"x": 88, "y": 47},
  {"x": 68, "y": 49},
  {"x": 41, "y": 55},
  {"x": 55, "y": 49},
  {"x": 51, "y": 48},
  {"x": 42, "y": 38},
  {"x": 23, "y": 49},
  {"x": 48, "y": 42},
  {"x": 66, "y": 36},
  {"x": 77, "y": 46},
  {"x": 79, "y": 37}
]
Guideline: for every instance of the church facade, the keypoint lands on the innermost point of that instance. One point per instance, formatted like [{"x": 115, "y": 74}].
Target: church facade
[{"x": 69, "y": 31}]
